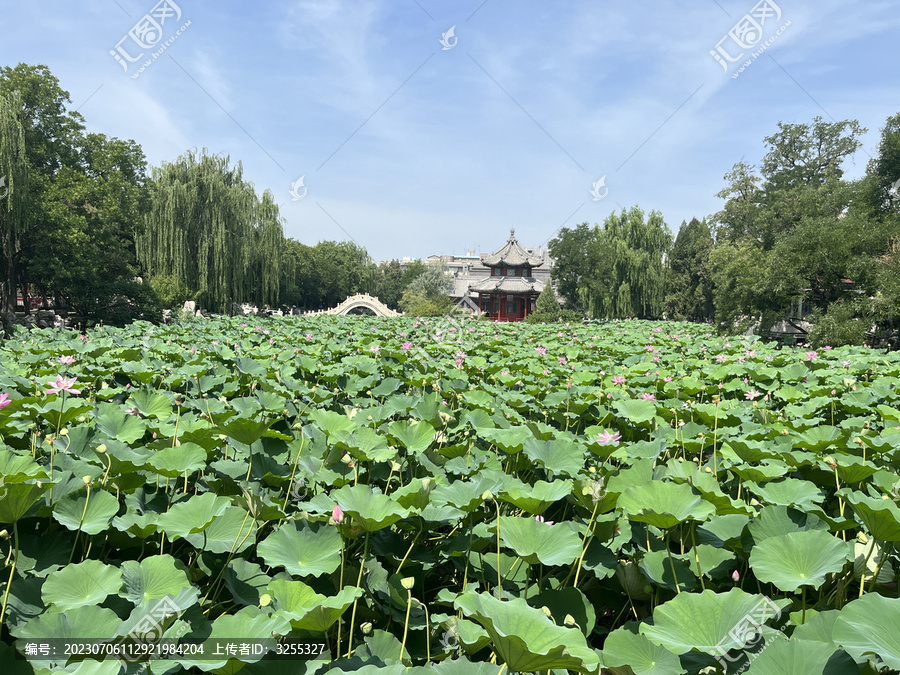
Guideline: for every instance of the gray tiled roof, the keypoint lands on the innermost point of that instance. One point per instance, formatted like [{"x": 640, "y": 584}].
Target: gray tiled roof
[
  {"x": 512, "y": 254},
  {"x": 507, "y": 285}
]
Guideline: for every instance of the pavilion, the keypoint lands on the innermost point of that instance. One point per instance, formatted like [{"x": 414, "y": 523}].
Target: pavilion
[{"x": 511, "y": 290}]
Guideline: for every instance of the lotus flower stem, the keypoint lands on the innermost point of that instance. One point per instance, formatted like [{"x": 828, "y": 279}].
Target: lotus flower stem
[
  {"x": 587, "y": 542},
  {"x": 362, "y": 565},
  {"x": 12, "y": 571},
  {"x": 697, "y": 555},
  {"x": 803, "y": 606},
  {"x": 81, "y": 522},
  {"x": 409, "y": 599},
  {"x": 672, "y": 564},
  {"x": 499, "y": 580},
  {"x": 884, "y": 555},
  {"x": 290, "y": 486},
  {"x": 339, "y": 624}
]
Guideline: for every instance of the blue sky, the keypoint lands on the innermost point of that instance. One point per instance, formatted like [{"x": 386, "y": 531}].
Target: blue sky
[{"x": 411, "y": 149}]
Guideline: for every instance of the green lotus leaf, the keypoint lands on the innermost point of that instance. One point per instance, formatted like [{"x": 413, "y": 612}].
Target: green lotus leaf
[
  {"x": 525, "y": 638},
  {"x": 85, "y": 622},
  {"x": 172, "y": 462},
  {"x": 248, "y": 623},
  {"x": 371, "y": 446},
  {"x": 414, "y": 437},
  {"x": 154, "y": 578},
  {"x": 661, "y": 570},
  {"x": 150, "y": 404},
  {"x": 509, "y": 440},
  {"x": 84, "y": 583},
  {"x": 799, "y": 657},
  {"x": 870, "y": 625},
  {"x": 463, "y": 494},
  {"x": 880, "y": 516},
  {"x": 246, "y": 581},
  {"x": 18, "y": 498},
  {"x": 706, "y": 621},
  {"x": 192, "y": 515},
  {"x": 247, "y": 431},
  {"x": 120, "y": 425},
  {"x": 635, "y": 411},
  {"x": 308, "y": 610},
  {"x": 787, "y": 492},
  {"x": 369, "y": 508},
  {"x": 537, "y": 542},
  {"x": 16, "y": 468},
  {"x": 332, "y": 423},
  {"x": 799, "y": 559},
  {"x": 90, "y": 514},
  {"x": 558, "y": 455},
  {"x": 663, "y": 504},
  {"x": 232, "y": 530},
  {"x": 818, "y": 438},
  {"x": 563, "y": 601},
  {"x": 626, "y": 648},
  {"x": 774, "y": 521},
  {"x": 537, "y": 498},
  {"x": 852, "y": 469},
  {"x": 463, "y": 666},
  {"x": 302, "y": 551}
]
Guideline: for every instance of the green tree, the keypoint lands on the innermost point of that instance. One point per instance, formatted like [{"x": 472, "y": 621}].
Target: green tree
[
  {"x": 569, "y": 250},
  {"x": 689, "y": 290},
  {"x": 207, "y": 228},
  {"x": 627, "y": 266},
  {"x": 547, "y": 302},
  {"x": 14, "y": 196},
  {"x": 428, "y": 293}
]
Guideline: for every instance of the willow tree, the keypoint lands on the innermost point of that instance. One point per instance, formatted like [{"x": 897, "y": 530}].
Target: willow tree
[
  {"x": 267, "y": 250},
  {"x": 13, "y": 195},
  {"x": 205, "y": 228},
  {"x": 627, "y": 266}
]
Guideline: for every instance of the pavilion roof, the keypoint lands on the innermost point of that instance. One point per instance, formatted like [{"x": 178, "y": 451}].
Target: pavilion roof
[
  {"x": 507, "y": 285},
  {"x": 512, "y": 254}
]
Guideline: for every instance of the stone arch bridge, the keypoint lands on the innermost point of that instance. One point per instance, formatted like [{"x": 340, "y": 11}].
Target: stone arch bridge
[{"x": 362, "y": 301}]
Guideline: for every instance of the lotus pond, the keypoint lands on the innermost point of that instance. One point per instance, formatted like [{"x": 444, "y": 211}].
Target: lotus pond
[{"x": 451, "y": 498}]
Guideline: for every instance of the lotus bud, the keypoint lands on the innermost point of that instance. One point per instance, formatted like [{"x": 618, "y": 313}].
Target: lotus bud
[
  {"x": 337, "y": 514},
  {"x": 101, "y": 448},
  {"x": 408, "y": 583},
  {"x": 570, "y": 621},
  {"x": 366, "y": 628},
  {"x": 265, "y": 600},
  {"x": 546, "y": 611},
  {"x": 735, "y": 576}
]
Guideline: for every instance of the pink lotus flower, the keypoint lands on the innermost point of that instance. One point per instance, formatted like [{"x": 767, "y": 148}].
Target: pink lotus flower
[
  {"x": 812, "y": 356},
  {"x": 541, "y": 350},
  {"x": 4, "y": 401},
  {"x": 618, "y": 379},
  {"x": 607, "y": 437},
  {"x": 66, "y": 360},
  {"x": 406, "y": 346},
  {"x": 337, "y": 514},
  {"x": 540, "y": 519},
  {"x": 721, "y": 358},
  {"x": 562, "y": 360},
  {"x": 667, "y": 379},
  {"x": 845, "y": 365},
  {"x": 63, "y": 384},
  {"x": 656, "y": 359},
  {"x": 375, "y": 349},
  {"x": 648, "y": 397},
  {"x": 752, "y": 394}
]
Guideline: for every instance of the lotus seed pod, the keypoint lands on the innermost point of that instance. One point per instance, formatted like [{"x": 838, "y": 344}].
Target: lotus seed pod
[
  {"x": 366, "y": 628},
  {"x": 546, "y": 611},
  {"x": 487, "y": 496},
  {"x": 569, "y": 621},
  {"x": 265, "y": 600},
  {"x": 408, "y": 583},
  {"x": 86, "y": 479},
  {"x": 101, "y": 448},
  {"x": 64, "y": 432}
]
